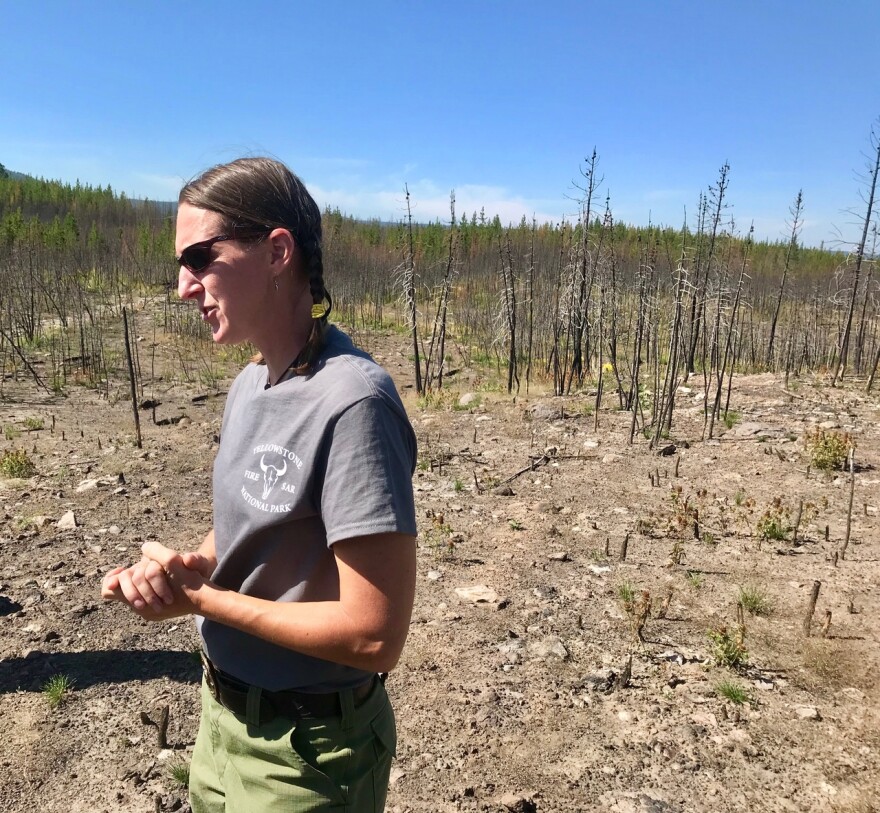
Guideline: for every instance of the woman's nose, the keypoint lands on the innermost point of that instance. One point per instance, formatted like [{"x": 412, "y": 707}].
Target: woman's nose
[{"x": 188, "y": 284}]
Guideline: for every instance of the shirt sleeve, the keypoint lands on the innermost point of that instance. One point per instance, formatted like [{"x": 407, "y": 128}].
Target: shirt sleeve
[{"x": 367, "y": 482}]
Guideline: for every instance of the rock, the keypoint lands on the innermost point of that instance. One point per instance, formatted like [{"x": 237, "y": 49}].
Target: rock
[
  {"x": 114, "y": 529},
  {"x": 807, "y": 713},
  {"x": 434, "y": 575},
  {"x": 599, "y": 570},
  {"x": 512, "y": 649},
  {"x": 829, "y": 425},
  {"x": 668, "y": 451},
  {"x": 467, "y": 399},
  {"x": 747, "y": 428},
  {"x": 545, "y": 412},
  {"x": 503, "y": 491},
  {"x": 559, "y": 556},
  {"x": 601, "y": 681},
  {"x": 87, "y": 485},
  {"x": 40, "y": 521},
  {"x": 634, "y": 802},
  {"x": 610, "y": 458},
  {"x": 396, "y": 775},
  {"x": 67, "y": 522},
  {"x": 591, "y": 444},
  {"x": 551, "y": 647},
  {"x": 478, "y": 594},
  {"x": 518, "y": 804}
]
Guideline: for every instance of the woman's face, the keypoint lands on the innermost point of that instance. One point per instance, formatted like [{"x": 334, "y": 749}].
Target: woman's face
[{"x": 234, "y": 291}]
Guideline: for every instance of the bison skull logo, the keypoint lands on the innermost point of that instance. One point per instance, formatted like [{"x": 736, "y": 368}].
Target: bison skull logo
[{"x": 270, "y": 476}]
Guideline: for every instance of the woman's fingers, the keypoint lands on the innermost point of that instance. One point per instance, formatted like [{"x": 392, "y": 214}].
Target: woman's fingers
[
  {"x": 157, "y": 578},
  {"x": 110, "y": 583},
  {"x": 137, "y": 589}
]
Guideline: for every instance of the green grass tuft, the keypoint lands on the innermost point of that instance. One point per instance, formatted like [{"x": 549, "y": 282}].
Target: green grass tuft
[
  {"x": 179, "y": 772},
  {"x": 754, "y": 600},
  {"x": 734, "y": 692},
  {"x": 56, "y": 689}
]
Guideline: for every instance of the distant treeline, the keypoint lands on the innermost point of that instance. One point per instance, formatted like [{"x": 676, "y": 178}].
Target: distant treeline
[{"x": 553, "y": 299}]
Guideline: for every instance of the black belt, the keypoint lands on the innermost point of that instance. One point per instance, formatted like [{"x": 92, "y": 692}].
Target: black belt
[{"x": 233, "y": 694}]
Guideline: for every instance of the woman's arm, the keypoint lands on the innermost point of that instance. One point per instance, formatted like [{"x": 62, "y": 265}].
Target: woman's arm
[{"x": 365, "y": 628}]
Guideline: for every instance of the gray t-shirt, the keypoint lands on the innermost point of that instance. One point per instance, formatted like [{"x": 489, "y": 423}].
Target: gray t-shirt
[{"x": 301, "y": 465}]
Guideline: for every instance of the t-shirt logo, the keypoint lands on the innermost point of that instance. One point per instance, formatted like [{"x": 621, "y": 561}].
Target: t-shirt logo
[
  {"x": 271, "y": 475},
  {"x": 276, "y": 466}
]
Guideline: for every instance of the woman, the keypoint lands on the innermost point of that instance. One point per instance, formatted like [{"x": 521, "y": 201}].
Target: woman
[{"x": 303, "y": 589}]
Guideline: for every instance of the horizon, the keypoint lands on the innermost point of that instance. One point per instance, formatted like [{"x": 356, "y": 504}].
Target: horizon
[{"x": 502, "y": 108}]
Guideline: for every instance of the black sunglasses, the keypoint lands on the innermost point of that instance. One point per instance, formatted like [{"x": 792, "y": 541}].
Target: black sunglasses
[{"x": 199, "y": 256}]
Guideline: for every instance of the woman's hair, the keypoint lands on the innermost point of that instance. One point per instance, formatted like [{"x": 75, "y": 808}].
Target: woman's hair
[{"x": 261, "y": 193}]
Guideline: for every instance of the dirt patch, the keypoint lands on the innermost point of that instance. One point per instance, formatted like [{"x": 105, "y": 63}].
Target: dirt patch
[{"x": 519, "y": 695}]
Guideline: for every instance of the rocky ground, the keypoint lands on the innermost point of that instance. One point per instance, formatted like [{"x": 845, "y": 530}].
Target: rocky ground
[{"x": 542, "y": 673}]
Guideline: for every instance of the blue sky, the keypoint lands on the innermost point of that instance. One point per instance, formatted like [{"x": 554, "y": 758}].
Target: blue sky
[{"x": 501, "y": 101}]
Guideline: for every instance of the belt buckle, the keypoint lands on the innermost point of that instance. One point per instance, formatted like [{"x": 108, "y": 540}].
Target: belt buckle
[{"x": 210, "y": 675}]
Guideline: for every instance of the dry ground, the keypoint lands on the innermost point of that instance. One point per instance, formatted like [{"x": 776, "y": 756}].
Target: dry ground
[{"x": 513, "y": 702}]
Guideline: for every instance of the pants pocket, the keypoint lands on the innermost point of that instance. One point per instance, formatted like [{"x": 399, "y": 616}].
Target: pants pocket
[{"x": 321, "y": 761}]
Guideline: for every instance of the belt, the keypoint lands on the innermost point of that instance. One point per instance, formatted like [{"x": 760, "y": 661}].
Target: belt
[{"x": 233, "y": 693}]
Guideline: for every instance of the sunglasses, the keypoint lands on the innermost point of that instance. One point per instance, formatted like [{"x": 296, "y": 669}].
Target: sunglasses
[{"x": 199, "y": 256}]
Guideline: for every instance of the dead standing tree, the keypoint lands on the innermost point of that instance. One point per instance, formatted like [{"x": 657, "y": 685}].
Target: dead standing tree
[
  {"x": 797, "y": 211},
  {"x": 716, "y": 201},
  {"x": 508, "y": 295},
  {"x": 577, "y": 314},
  {"x": 843, "y": 353},
  {"x": 722, "y": 369},
  {"x": 436, "y": 354},
  {"x": 409, "y": 293}
]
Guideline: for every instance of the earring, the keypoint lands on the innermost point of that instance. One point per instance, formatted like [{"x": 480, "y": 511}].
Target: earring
[{"x": 276, "y": 283}]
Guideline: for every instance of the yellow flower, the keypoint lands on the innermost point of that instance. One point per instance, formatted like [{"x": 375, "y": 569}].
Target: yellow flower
[{"x": 607, "y": 367}]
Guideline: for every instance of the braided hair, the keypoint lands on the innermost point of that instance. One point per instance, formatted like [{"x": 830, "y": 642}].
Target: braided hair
[{"x": 253, "y": 194}]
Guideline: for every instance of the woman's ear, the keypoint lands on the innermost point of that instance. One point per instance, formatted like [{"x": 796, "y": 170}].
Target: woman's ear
[{"x": 282, "y": 247}]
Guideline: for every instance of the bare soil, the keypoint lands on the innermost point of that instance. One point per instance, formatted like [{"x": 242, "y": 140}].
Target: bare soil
[{"x": 512, "y": 693}]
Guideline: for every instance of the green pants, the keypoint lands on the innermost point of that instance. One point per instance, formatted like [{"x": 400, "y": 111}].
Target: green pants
[{"x": 338, "y": 764}]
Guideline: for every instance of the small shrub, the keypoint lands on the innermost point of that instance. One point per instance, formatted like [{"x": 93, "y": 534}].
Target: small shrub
[
  {"x": 33, "y": 424},
  {"x": 728, "y": 648},
  {"x": 179, "y": 772},
  {"x": 637, "y": 606},
  {"x": 56, "y": 689},
  {"x": 774, "y": 522},
  {"x": 10, "y": 432},
  {"x": 754, "y": 600},
  {"x": 828, "y": 448},
  {"x": 516, "y": 525},
  {"x": 695, "y": 579},
  {"x": 458, "y": 485},
  {"x": 626, "y": 593},
  {"x": 733, "y": 692},
  {"x": 731, "y": 418},
  {"x": 439, "y": 537},
  {"x": 676, "y": 553},
  {"x": 16, "y": 463}
]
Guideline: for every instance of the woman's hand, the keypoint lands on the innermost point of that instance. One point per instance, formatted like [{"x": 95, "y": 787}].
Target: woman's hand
[{"x": 154, "y": 587}]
